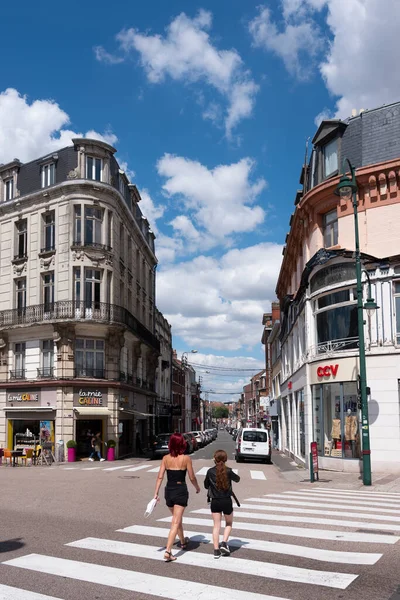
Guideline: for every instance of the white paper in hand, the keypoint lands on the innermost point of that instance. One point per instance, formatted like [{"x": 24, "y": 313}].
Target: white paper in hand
[{"x": 150, "y": 507}]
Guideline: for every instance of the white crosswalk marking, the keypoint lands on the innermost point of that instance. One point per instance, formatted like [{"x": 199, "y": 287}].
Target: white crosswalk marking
[
  {"x": 236, "y": 565},
  {"x": 311, "y": 520},
  {"x": 155, "y": 470},
  {"x": 370, "y": 494},
  {"x": 298, "y": 507},
  {"x": 12, "y": 593},
  {"x": 162, "y": 587},
  {"x": 315, "y": 534},
  {"x": 333, "y": 503},
  {"x": 257, "y": 475},
  {"x": 203, "y": 471},
  {"x": 315, "y": 511},
  {"x": 266, "y": 516},
  {"x": 319, "y": 554},
  {"x": 114, "y": 468},
  {"x": 137, "y": 468}
]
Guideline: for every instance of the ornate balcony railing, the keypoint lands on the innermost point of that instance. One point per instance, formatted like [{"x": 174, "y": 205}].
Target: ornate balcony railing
[
  {"x": 94, "y": 245},
  {"x": 333, "y": 346},
  {"x": 90, "y": 372},
  {"x": 45, "y": 372},
  {"x": 69, "y": 310},
  {"x": 18, "y": 374}
]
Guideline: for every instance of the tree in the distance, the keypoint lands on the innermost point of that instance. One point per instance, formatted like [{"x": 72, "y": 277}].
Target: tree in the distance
[{"x": 220, "y": 412}]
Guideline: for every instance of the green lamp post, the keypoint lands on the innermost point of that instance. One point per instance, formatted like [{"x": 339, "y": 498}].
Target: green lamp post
[{"x": 347, "y": 189}]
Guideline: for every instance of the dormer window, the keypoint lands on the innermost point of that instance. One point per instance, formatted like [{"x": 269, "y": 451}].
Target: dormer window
[
  {"x": 9, "y": 189},
  {"x": 48, "y": 175},
  {"x": 94, "y": 168},
  {"x": 331, "y": 158}
]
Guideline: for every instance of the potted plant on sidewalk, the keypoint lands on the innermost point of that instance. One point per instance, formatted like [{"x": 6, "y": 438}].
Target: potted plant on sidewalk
[
  {"x": 71, "y": 448},
  {"x": 111, "y": 450}
]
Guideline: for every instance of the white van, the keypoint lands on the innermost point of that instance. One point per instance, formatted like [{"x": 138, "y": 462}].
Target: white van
[{"x": 253, "y": 443}]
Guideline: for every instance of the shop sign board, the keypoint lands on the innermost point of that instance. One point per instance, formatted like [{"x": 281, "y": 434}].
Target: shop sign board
[
  {"x": 328, "y": 371},
  {"x": 90, "y": 397},
  {"x": 23, "y": 397},
  {"x": 342, "y": 369}
]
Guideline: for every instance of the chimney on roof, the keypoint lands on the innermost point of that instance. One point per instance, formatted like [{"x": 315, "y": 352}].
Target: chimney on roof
[
  {"x": 174, "y": 355},
  {"x": 354, "y": 112},
  {"x": 276, "y": 311}
]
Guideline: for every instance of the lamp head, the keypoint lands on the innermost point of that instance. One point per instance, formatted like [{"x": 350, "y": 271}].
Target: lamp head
[
  {"x": 345, "y": 187},
  {"x": 370, "y": 306}
]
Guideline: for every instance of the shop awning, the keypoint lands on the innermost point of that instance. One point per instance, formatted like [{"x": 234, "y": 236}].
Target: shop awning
[
  {"x": 131, "y": 411},
  {"x": 92, "y": 410},
  {"x": 29, "y": 408}
]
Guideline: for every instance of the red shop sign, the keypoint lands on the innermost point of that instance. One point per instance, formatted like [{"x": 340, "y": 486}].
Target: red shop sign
[
  {"x": 314, "y": 454},
  {"x": 328, "y": 371}
]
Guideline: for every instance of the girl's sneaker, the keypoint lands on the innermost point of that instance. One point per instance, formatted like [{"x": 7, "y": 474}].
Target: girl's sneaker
[
  {"x": 224, "y": 548},
  {"x": 217, "y": 553}
]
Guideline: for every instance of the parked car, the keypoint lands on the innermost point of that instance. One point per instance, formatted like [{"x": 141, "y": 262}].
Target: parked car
[
  {"x": 160, "y": 445},
  {"x": 194, "y": 441},
  {"x": 235, "y": 434},
  {"x": 253, "y": 443},
  {"x": 199, "y": 438}
]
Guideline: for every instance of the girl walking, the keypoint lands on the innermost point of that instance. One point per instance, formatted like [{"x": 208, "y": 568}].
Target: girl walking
[
  {"x": 218, "y": 482},
  {"x": 176, "y": 464}
]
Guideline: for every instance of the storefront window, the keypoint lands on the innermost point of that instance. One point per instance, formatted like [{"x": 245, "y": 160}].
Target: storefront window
[
  {"x": 336, "y": 424},
  {"x": 302, "y": 437}
]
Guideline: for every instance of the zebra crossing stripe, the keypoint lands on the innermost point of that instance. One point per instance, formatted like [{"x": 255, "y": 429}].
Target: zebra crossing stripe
[
  {"x": 137, "y": 468},
  {"x": 155, "y": 470},
  {"x": 133, "y": 581},
  {"x": 12, "y": 593},
  {"x": 315, "y": 511},
  {"x": 333, "y": 556},
  {"x": 311, "y": 502},
  {"x": 327, "y": 502},
  {"x": 235, "y": 565},
  {"x": 257, "y": 475},
  {"x": 360, "y": 493},
  {"x": 203, "y": 471},
  {"x": 300, "y": 532},
  {"x": 114, "y": 468},
  {"x": 311, "y": 520},
  {"x": 90, "y": 468}
]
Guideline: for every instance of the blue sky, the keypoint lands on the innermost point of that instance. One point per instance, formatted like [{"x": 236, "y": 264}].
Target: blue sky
[{"x": 209, "y": 105}]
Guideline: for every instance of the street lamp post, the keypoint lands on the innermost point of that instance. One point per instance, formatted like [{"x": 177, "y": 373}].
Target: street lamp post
[{"x": 347, "y": 189}]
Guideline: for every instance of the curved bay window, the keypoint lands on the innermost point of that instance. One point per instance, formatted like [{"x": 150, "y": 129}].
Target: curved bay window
[
  {"x": 335, "y": 419},
  {"x": 336, "y": 321}
]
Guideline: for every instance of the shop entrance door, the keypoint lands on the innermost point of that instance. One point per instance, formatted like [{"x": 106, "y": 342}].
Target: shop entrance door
[{"x": 85, "y": 430}]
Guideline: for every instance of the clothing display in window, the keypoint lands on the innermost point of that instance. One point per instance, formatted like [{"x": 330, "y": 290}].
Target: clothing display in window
[
  {"x": 335, "y": 434},
  {"x": 350, "y": 428}
]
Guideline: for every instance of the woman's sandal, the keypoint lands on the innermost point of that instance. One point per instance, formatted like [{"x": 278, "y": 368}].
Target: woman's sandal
[
  {"x": 168, "y": 556},
  {"x": 185, "y": 543}
]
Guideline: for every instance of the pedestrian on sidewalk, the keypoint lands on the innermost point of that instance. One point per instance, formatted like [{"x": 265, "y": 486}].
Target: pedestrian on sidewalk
[
  {"x": 96, "y": 448},
  {"x": 176, "y": 464},
  {"x": 139, "y": 449},
  {"x": 218, "y": 482}
]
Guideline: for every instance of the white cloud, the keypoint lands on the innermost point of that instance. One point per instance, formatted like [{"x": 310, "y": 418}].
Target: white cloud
[
  {"x": 128, "y": 172},
  {"x": 186, "y": 53},
  {"x": 362, "y": 64},
  {"x": 217, "y": 202},
  {"x": 222, "y": 300},
  {"x": 151, "y": 211},
  {"x": 29, "y": 130},
  {"x": 104, "y": 56},
  {"x": 299, "y": 41}
]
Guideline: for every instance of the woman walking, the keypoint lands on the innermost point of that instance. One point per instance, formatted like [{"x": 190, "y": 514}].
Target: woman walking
[
  {"x": 218, "y": 481},
  {"x": 176, "y": 463}
]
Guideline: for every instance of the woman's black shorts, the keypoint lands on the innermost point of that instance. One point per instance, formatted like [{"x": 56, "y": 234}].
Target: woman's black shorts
[
  {"x": 178, "y": 496},
  {"x": 222, "y": 505}
]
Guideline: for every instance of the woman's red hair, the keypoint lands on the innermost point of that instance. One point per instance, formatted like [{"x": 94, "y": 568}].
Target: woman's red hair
[{"x": 177, "y": 444}]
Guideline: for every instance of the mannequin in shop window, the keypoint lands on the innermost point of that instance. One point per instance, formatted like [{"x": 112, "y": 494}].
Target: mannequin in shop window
[
  {"x": 351, "y": 431},
  {"x": 336, "y": 427}
]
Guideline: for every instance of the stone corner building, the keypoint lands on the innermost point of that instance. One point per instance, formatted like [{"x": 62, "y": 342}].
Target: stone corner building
[{"x": 78, "y": 351}]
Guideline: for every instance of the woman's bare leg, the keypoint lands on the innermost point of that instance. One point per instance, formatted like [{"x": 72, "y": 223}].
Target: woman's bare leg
[
  {"x": 228, "y": 526},
  {"x": 177, "y": 515},
  {"x": 216, "y": 529}
]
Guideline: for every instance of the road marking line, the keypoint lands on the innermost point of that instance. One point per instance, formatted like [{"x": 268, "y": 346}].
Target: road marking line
[
  {"x": 133, "y": 581},
  {"x": 203, "y": 471},
  {"x": 257, "y": 475},
  {"x": 372, "y": 493},
  {"x": 236, "y": 565},
  {"x": 347, "y": 496},
  {"x": 90, "y": 468},
  {"x": 312, "y": 511},
  {"x": 155, "y": 470},
  {"x": 334, "y": 556},
  {"x": 301, "y": 501},
  {"x": 12, "y": 593},
  {"x": 331, "y": 502},
  {"x": 137, "y": 468},
  {"x": 70, "y": 468},
  {"x": 311, "y": 520},
  {"x": 294, "y": 463},
  {"x": 114, "y": 468}
]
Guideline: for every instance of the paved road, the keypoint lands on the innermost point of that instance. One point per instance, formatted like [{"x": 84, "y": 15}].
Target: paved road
[{"x": 77, "y": 531}]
